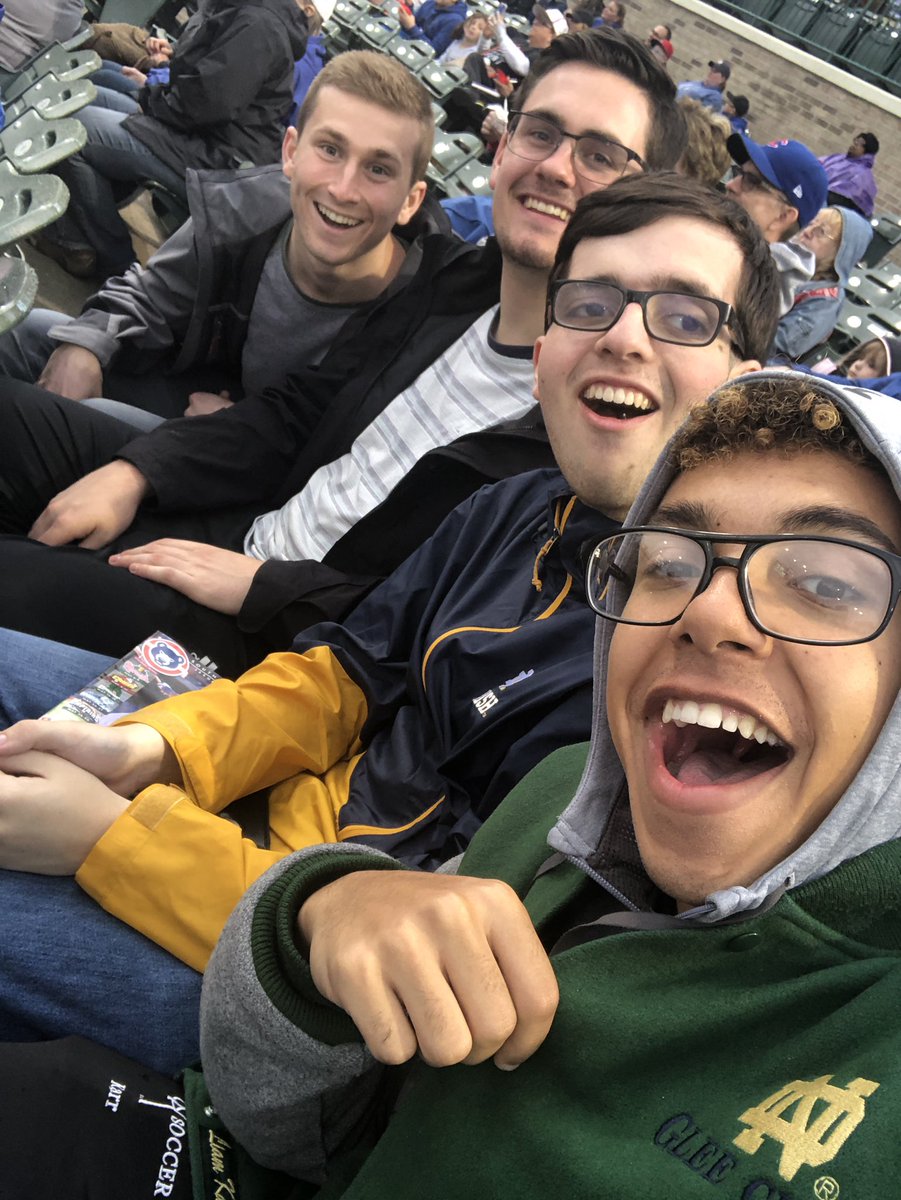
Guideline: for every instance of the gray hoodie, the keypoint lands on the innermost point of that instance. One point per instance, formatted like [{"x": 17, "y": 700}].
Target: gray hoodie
[{"x": 868, "y": 814}]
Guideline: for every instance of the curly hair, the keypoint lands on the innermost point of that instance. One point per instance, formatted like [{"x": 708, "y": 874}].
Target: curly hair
[
  {"x": 706, "y": 156},
  {"x": 787, "y": 415}
]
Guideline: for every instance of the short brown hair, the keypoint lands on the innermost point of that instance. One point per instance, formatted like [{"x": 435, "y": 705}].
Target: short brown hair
[
  {"x": 384, "y": 81},
  {"x": 639, "y": 200},
  {"x": 612, "y": 50},
  {"x": 789, "y": 415}
]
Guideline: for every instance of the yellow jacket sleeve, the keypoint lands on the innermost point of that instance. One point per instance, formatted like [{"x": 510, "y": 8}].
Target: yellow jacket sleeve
[
  {"x": 169, "y": 865},
  {"x": 291, "y": 713}
]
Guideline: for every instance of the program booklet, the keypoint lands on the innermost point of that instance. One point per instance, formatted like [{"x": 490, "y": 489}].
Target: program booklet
[{"x": 160, "y": 667}]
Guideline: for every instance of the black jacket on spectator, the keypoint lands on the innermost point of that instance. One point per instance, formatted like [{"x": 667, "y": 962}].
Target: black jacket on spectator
[{"x": 230, "y": 86}]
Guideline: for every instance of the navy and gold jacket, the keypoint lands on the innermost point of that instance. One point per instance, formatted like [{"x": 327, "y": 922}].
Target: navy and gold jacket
[{"x": 401, "y": 729}]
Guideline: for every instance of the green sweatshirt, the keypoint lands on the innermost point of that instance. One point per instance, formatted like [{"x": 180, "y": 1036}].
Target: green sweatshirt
[{"x": 754, "y": 1060}]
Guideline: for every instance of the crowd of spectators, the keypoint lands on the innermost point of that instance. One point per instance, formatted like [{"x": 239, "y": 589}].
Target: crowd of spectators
[{"x": 392, "y": 480}]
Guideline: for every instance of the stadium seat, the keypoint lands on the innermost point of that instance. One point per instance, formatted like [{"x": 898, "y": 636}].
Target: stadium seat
[
  {"x": 834, "y": 28},
  {"x": 18, "y": 289},
  {"x": 857, "y": 323},
  {"x": 28, "y": 203},
  {"x": 759, "y": 11},
  {"x": 795, "y": 16},
  {"x": 867, "y": 291},
  {"x": 66, "y": 65},
  {"x": 441, "y": 81},
  {"x": 886, "y": 235},
  {"x": 415, "y": 54},
  {"x": 32, "y": 144},
  {"x": 374, "y": 31},
  {"x": 51, "y": 97},
  {"x": 877, "y": 46},
  {"x": 471, "y": 179}
]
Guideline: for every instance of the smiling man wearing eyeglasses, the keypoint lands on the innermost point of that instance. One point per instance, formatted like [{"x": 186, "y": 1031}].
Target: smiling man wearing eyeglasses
[{"x": 683, "y": 940}]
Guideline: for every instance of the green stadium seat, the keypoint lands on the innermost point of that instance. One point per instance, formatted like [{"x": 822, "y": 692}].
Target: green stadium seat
[
  {"x": 441, "y": 81},
  {"x": 28, "y": 203},
  {"x": 757, "y": 12},
  {"x": 64, "y": 64},
  {"x": 834, "y": 28},
  {"x": 439, "y": 116},
  {"x": 867, "y": 291},
  {"x": 32, "y": 144},
  {"x": 374, "y": 31},
  {"x": 857, "y": 323},
  {"x": 877, "y": 47},
  {"x": 18, "y": 289},
  {"x": 795, "y": 16},
  {"x": 471, "y": 179},
  {"x": 886, "y": 235},
  {"x": 51, "y": 97},
  {"x": 888, "y": 275},
  {"x": 413, "y": 53}
]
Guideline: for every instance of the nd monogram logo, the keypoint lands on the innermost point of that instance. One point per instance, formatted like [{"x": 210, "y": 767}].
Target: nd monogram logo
[{"x": 808, "y": 1138}]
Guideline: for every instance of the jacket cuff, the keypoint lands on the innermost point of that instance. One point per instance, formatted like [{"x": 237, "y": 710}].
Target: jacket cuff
[
  {"x": 74, "y": 333},
  {"x": 281, "y": 965}
]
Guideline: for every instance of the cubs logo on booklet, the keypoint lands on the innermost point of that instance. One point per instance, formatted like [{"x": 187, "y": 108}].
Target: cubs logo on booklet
[{"x": 165, "y": 656}]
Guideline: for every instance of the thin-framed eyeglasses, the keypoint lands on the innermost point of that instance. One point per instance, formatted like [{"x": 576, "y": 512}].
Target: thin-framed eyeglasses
[
  {"x": 819, "y": 231},
  {"x": 679, "y": 318},
  {"x": 755, "y": 182},
  {"x": 597, "y": 158},
  {"x": 818, "y": 591}
]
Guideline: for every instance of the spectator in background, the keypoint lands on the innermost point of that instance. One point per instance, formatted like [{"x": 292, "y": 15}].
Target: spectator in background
[
  {"x": 128, "y": 45},
  {"x": 708, "y": 90},
  {"x": 706, "y": 156},
  {"x": 29, "y": 26},
  {"x": 547, "y": 24},
  {"x": 736, "y": 108},
  {"x": 467, "y": 39},
  {"x": 435, "y": 22},
  {"x": 307, "y": 68},
  {"x": 873, "y": 360},
  {"x": 660, "y": 44},
  {"x": 230, "y": 88},
  {"x": 579, "y": 19},
  {"x": 838, "y": 238},
  {"x": 850, "y": 175},
  {"x": 783, "y": 187},
  {"x": 613, "y": 15}
]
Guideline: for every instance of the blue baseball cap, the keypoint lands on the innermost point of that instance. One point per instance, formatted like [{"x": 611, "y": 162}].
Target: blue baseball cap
[{"x": 788, "y": 166}]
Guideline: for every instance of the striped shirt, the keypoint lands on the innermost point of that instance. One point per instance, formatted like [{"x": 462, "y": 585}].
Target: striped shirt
[{"x": 475, "y": 384}]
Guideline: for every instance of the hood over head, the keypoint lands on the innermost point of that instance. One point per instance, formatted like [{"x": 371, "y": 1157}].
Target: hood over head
[
  {"x": 856, "y": 235},
  {"x": 594, "y": 831}
]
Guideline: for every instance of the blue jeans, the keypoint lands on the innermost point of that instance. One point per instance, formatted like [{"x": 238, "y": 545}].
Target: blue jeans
[
  {"x": 68, "y": 967},
  {"x": 35, "y": 674},
  {"x": 112, "y": 156}
]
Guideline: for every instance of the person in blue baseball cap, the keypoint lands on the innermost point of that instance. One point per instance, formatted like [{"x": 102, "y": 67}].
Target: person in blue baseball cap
[{"x": 782, "y": 186}]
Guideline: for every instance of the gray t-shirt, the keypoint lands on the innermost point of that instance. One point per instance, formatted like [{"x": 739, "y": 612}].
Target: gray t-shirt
[{"x": 287, "y": 329}]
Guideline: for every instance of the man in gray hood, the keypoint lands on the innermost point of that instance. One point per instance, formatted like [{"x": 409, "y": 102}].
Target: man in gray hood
[{"x": 696, "y": 971}]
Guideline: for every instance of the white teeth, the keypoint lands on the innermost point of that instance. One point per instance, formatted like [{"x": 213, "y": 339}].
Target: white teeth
[
  {"x": 623, "y": 397},
  {"x": 550, "y": 210},
  {"x": 711, "y": 715},
  {"x": 338, "y": 218}
]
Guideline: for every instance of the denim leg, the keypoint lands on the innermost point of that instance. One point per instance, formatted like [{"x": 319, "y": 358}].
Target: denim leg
[
  {"x": 36, "y": 674},
  {"x": 68, "y": 967},
  {"x": 114, "y": 99},
  {"x": 110, "y": 76},
  {"x": 25, "y": 349},
  {"x": 111, "y": 156}
]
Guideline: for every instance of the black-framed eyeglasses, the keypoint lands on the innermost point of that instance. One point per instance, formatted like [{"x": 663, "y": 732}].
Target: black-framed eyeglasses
[
  {"x": 596, "y": 158},
  {"x": 819, "y": 591},
  {"x": 754, "y": 182},
  {"x": 676, "y": 317}
]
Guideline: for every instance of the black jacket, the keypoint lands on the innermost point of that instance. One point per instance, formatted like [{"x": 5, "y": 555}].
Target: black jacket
[{"x": 230, "y": 86}]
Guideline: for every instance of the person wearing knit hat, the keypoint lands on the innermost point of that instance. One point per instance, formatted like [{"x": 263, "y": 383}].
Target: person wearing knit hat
[{"x": 850, "y": 175}]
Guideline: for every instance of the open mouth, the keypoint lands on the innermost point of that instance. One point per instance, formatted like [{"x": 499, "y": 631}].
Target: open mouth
[
  {"x": 547, "y": 208},
  {"x": 708, "y": 743},
  {"x": 335, "y": 219},
  {"x": 621, "y": 404}
]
